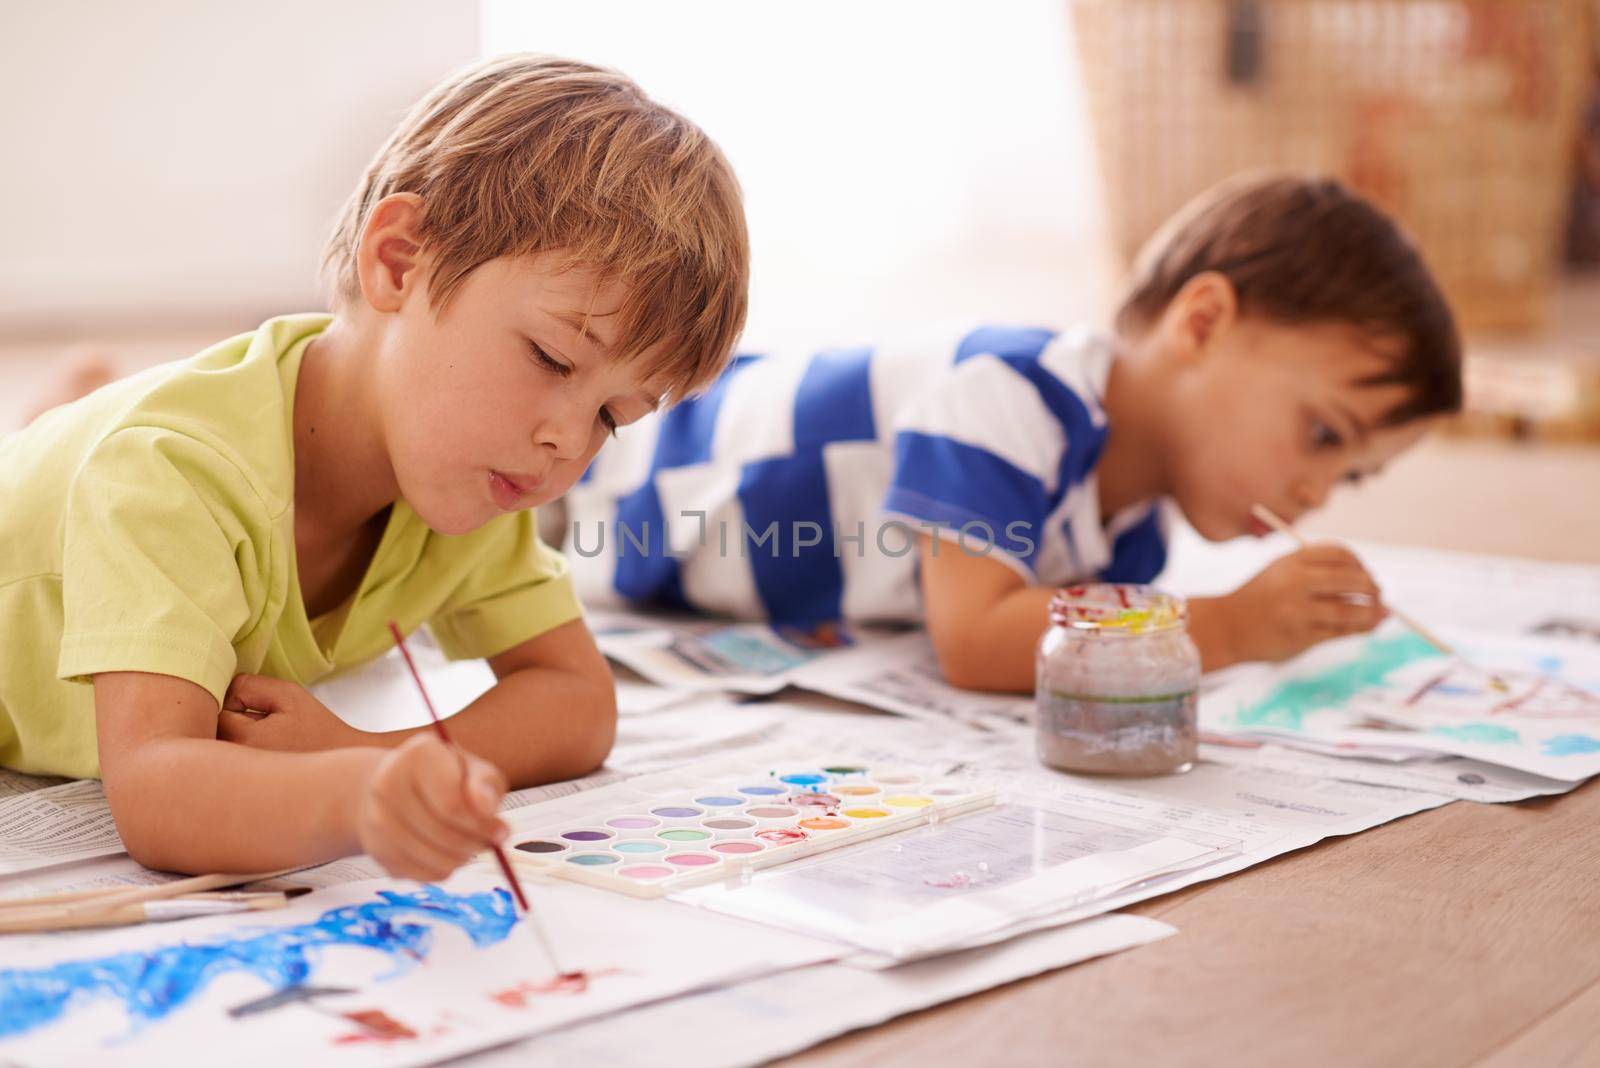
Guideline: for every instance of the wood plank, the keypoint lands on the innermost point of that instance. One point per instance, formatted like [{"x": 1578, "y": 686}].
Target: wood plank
[
  {"x": 1570, "y": 1036},
  {"x": 1438, "y": 939}
]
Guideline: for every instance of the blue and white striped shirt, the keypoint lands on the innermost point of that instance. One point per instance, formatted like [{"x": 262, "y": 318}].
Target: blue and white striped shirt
[{"x": 793, "y": 490}]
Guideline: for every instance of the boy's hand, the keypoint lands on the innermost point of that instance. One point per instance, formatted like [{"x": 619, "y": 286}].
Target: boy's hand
[
  {"x": 267, "y": 713},
  {"x": 1309, "y": 596},
  {"x": 428, "y": 807}
]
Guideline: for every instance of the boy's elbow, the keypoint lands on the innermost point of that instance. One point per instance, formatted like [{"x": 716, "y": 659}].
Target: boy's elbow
[
  {"x": 958, "y": 665},
  {"x": 152, "y": 842},
  {"x": 968, "y": 665},
  {"x": 603, "y": 735},
  {"x": 157, "y": 855},
  {"x": 594, "y": 744}
]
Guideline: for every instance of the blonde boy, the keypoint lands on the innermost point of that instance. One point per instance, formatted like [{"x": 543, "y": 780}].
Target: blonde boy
[{"x": 538, "y": 255}]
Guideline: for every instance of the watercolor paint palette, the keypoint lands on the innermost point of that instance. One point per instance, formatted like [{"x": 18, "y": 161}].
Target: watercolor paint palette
[{"x": 742, "y": 823}]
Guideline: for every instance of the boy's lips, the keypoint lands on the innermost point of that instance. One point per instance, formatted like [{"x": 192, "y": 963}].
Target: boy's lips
[{"x": 509, "y": 491}]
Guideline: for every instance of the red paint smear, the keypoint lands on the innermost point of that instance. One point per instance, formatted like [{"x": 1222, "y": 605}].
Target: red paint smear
[
  {"x": 516, "y": 997},
  {"x": 1430, "y": 684},
  {"x": 1509, "y": 705},
  {"x": 782, "y": 836},
  {"x": 379, "y": 1027},
  {"x": 960, "y": 880}
]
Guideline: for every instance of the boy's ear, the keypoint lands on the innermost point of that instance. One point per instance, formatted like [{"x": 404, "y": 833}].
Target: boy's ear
[
  {"x": 390, "y": 251},
  {"x": 1205, "y": 307}
]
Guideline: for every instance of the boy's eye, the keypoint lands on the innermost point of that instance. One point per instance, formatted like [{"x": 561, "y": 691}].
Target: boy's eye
[
  {"x": 609, "y": 421},
  {"x": 544, "y": 360},
  {"x": 1324, "y": 436},
  {"x": 1354, "y": 478}
]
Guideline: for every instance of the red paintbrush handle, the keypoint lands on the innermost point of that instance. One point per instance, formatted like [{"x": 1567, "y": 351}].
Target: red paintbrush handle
[{"x": 438, "y": 725}]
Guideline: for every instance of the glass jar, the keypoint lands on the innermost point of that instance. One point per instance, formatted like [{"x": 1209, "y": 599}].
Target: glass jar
[{"x": 1117, "y": 682}]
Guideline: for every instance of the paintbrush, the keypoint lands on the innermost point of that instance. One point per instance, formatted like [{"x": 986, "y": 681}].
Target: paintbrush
[
  {"x": 112, "y": 896},
  {"x": 499, "y": 854},
  {"x": 1273, "y": 520},
  {"x": 182, "y": 907}
]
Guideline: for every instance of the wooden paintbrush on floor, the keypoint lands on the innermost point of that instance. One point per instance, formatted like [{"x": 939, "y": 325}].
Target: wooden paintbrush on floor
[{"x": 114, "y": 906}]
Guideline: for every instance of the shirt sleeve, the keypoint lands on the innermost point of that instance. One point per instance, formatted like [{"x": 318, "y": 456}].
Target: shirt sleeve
[
  {"x": 1139, "y": 553},
  {"x": 518, "y": 589},
  {"x": 163, "y": 547},
  {"x": 982, "y": 453}
]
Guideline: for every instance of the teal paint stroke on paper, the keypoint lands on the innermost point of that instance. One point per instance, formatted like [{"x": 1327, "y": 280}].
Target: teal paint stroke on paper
[
  {"x": 1491, "y": 733},
  {"x": 1287, "y": 706},
  {"x": 1571, "y": 745}
]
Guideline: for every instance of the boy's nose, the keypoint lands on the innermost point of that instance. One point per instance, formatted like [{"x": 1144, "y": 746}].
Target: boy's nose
[
  {"x": 563, "y": 436},
  {"x": 1311, "y": 491}
]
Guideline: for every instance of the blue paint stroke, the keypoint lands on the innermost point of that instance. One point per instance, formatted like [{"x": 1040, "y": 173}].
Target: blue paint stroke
[
  {"x": 153, "y": 983},
  {"x": 1571, "y": 745},
  {"x": 1289, "y": 703},
  {"x": 1491, "y": 733}
]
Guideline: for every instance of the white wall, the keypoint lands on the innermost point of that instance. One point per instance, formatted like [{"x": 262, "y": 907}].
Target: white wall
[
  {"x": 180, "y": 161},
  {"x": 174, "y": 161},
  {"x": 902, "y": 160}
]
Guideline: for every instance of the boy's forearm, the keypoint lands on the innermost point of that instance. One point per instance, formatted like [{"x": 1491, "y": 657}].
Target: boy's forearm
[
  {"x": 537, "y": 725},
  {"x": 202, "y": 805},
  {"x": 1211, "y": 628},
  {"x": 995, "y": 652}
]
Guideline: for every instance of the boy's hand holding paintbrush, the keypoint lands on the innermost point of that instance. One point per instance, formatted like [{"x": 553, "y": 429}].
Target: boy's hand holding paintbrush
[
  {"x": 1309, "y": 596},
  {"x": 429, "y": 808}
]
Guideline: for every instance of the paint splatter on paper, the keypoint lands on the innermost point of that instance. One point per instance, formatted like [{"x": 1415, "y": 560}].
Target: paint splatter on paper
[
  {"x": 1289, "y": 703},
  {"x": 1524, "y": 703},
  {"x": 1490, "y": 733},
  {"x": 152, "y": 984},
  {"x": 517, "y": 997},
  {"x": 376, "y": 1026},
  {"x": 1571, "y": 745}
]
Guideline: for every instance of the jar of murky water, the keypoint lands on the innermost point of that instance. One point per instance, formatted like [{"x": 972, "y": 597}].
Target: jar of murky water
[{"x": 1117, "y": 682}]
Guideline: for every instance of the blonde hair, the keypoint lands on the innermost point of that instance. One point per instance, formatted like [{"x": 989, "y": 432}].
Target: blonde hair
[{"x": 525, "y": 154}]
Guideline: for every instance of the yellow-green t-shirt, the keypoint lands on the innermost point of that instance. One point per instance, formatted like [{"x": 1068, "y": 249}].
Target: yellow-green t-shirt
[{"x": 150, "y": 527}]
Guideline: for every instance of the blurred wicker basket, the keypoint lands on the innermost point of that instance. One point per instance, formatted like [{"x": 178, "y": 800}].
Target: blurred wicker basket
[{"x": 1459, "y": 116}]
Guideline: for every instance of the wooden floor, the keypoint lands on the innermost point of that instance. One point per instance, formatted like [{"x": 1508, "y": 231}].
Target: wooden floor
[{"x": 1467, "y": 935}]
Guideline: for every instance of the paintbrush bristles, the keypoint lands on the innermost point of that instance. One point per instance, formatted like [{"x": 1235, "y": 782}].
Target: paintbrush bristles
[{"x": 1271, "y": 519}]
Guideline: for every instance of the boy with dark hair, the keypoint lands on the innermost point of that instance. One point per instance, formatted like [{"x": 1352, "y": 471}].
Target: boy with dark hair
[{"x": 1280, "y": 336}]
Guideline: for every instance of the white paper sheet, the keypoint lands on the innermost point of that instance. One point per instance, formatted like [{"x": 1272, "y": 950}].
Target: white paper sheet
[
  {"x": 757, "y": 1021},
  {"x": 56, "y": 825},
  {"x": 447, "y": 968},
  {"x": 934, "y": 889},
  {"x": 692, "y": 655},
  {"x": 1542, "y": 716},
  {"x": 890, "y": 670},
  {"x": 1460, "y": 777},
  {"x": 13, "y": 783},
  {"x": 1495, "y": 594},
  {"x": 899, "y": 673}
]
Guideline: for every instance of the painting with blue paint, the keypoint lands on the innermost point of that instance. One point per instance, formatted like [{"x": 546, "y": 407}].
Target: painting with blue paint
[
  {"x": 375, "y": 974},
  {"x": 151, "y": 984},
  {"x": 1526, "y": 703}
]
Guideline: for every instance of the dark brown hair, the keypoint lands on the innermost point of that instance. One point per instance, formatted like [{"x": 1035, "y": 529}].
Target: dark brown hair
[
  {"x": 1309, "y": 250},
  {"x": 526, "y": 154}
]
